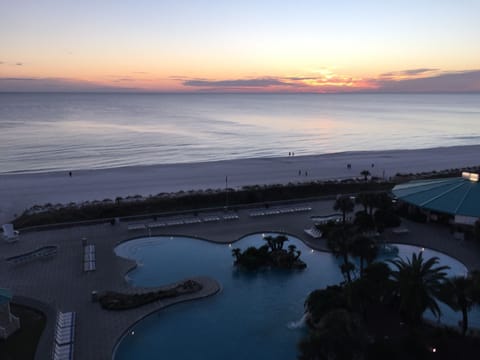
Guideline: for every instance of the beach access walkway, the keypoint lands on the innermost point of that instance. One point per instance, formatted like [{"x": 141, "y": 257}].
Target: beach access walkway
[{"x": 61, "y": 283}]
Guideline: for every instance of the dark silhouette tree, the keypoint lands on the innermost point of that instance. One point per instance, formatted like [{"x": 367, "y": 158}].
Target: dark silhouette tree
[
  {"x": 294, "y": 253},
  {"x": 382, "y": 201},
  {"x": 366, "y": 249},
  {"x": 417, "y": 285},
  {"x": 377, "y": 278},
  {"x": 340, "y": 335},
  {"x": 345, "y": 205},
  {"x": 457, "y": 293},
  {"x": 340, "y": 241},
  {"x": 366, "y": 199},
  {"x": 365, "y": 174},
  {"x": 236, "y": 253},
  {"x": 364, "y": 221},
  {"x": 275, "y": 242}
]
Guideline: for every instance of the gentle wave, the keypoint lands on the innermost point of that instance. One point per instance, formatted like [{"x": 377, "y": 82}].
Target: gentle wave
[{"x": 58, "y": 132}]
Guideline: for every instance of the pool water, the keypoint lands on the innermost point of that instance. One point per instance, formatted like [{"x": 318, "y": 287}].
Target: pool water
[{"x": 255, "y": 316}]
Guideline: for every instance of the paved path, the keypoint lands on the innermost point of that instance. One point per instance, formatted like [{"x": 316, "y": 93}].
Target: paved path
[{"x": 61, "y": 283}]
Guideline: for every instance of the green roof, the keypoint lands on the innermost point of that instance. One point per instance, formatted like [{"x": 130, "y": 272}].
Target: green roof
[
  {"x": 456, "y": 196},
  {"x": 5, "y": 296}
]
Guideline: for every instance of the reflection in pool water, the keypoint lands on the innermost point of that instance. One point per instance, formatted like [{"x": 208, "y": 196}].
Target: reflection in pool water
[{"x": 256, "y": 315}]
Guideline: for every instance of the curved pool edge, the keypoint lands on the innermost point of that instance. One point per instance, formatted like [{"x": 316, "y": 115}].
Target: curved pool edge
[
  {"x": 433, "y": 248},
  {"x": 131, "y": 264},
  {"x": 210, "y": 287},
  {"x": 299, "y": 238},
  {"x": 205, "y": 239}
]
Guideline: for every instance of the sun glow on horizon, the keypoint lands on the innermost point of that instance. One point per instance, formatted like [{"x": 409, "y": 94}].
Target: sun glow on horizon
[{"x": 211, "y": 45}]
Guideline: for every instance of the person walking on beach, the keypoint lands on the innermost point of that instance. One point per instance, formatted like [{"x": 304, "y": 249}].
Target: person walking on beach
[{"x": 70, "y": 173}]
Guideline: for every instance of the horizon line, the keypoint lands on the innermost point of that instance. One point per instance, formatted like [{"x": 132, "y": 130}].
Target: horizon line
[{"x": 146, "y": 92}]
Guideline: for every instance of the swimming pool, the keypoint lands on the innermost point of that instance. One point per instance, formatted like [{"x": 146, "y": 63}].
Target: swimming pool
[{"x": 256, "y": 316}]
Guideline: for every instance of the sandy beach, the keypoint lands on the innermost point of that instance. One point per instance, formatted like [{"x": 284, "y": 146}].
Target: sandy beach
[{"x": 21, "y": 191}]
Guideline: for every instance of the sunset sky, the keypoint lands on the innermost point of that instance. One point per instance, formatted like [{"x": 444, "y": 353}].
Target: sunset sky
[{"x": 248, "y": 45}]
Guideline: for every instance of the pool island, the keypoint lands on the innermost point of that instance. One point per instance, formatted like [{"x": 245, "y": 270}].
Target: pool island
[
  {"x": 271, "y": 255},
  {"x": 113, "y": 300}
]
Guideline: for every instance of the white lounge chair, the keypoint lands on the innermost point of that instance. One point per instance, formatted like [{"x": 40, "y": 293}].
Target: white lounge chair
[
  {"x": 134, "y": 227},
  {"x": 400, "y": 230},
  {"x": 9, "y": 233},
  {"x": 64, "y": 336},
  {"x": 313, "y": 232},
  {"x": 63, "y": 352},
  {"x": 89, "y": 258},
  {"x": 65, "y": 316}
]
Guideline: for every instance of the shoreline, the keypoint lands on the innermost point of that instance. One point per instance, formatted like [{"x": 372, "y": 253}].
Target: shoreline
[
  {"x": 21, "y": 191},
  {"x": 339, "y": 154}
]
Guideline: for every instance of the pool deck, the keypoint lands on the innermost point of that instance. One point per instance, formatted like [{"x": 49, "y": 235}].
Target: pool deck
[{"x": 60, "y": 283}]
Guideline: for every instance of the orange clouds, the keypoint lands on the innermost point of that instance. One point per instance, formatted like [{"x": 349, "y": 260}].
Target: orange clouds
[{"x": 316, "y": 81}]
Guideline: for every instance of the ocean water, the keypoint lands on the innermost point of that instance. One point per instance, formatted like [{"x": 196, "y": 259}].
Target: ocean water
[{"x": 50, "y": 132}]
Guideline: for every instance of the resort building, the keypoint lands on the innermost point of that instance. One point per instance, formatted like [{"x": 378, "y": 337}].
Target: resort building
[
  {"x": 455, "y": 199},
  {"x": 9, "y": 323}
]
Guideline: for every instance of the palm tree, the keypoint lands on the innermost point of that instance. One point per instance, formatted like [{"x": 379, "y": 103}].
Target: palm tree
[
  {"x": 340, "y": 242},
  {"x": 236, "y": 253},
  {"x": 366, "y": 199},
  {"x": 377, "y": 278},
  {"x": 275, "y": 243},
  {"x": 293, "y": 252},
  {"x": 291, "y": 249},
  {"x": 458, "y": 294},
  {"x": 269, "y": 240},
  {"x": 365, "y": 174},
  {"x": 382, "y": 201},
  {"x": 417, "y": 285},
  {"x": 279, "y": 240},
  {"x": 366, "y": 249},
  {"x": 364, "y": 221},
  {"x": 345, "y": 205}
]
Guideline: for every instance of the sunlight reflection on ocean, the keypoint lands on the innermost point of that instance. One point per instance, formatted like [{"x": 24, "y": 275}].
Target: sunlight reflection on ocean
[{"x": 49, "y": 132}]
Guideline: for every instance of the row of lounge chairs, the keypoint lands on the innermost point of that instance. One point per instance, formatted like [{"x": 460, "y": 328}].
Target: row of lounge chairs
[
  {"x": 269, "y": 212},
  {"x": 181, "y": 221},
  {"x": 400, "y": 231},
  {"x": 64, "y": 336},
  {"x": 313, "y": 232},
  {"x": 325, "y": 219},
  {"x": 89, "y": 260}
]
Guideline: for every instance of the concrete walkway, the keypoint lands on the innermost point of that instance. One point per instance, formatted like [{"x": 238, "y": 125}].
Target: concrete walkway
[{"x": 61, "y": 283}]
